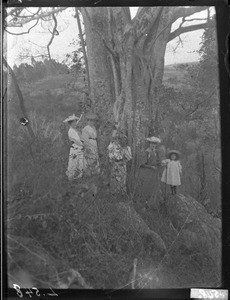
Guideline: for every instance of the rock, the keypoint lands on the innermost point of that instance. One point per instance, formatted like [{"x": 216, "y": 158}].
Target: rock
[
  {"x": 124, "y": 226},
  {"x": 188, "y": 240},
  {"x": 128, "y": 218},
  {"x": 198, "y": 230},
  {"x": 29, "y": 260}
]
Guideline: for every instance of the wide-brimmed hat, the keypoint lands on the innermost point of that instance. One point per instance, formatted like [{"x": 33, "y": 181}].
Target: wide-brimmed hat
[
  {"x": 153, "y": 139},
  {"x": 71, "y": 118},
  {"x": 91, "y": 116},
  {"x": 177, "y": 153}
]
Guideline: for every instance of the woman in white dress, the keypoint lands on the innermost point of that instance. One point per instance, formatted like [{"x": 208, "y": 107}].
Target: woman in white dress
[
  {"x": 173, "y": 170},
  {"x": 77, "y": 162},
  {"x": 89, "y": 134}
]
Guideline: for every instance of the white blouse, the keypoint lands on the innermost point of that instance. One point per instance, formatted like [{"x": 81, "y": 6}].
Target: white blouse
[{"x": 75, "y": 138}]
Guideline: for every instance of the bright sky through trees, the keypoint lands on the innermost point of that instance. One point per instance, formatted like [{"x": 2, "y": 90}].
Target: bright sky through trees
[{"x": 21, "y": 47}]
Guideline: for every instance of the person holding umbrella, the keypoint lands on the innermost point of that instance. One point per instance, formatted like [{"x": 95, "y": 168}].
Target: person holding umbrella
[{"x": 173, "y": 170}]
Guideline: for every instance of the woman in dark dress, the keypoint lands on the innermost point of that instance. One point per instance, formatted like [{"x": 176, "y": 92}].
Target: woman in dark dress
[{"x": 149, "y": 186}]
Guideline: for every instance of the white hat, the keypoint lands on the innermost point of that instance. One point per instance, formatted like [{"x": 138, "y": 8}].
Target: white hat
[
  {"x": 71, "y": 118},
  {"x": 153, "y": 139}
]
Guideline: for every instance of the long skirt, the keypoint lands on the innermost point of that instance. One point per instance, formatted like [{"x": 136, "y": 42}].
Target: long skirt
[
  {"x": 118, "y": 177},
  {"x": 148, "y": 187},
  {"x": 76, "y": 164},
  {"x": 92, "y": 160}
]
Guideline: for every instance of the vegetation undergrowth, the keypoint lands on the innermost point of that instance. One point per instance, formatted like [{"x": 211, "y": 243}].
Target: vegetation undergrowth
[{"x": 67, "y": 225}]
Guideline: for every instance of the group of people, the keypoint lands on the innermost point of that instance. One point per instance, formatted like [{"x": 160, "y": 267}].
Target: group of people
[
  {"x": 84, "y": 158},
  {"x": 155, "y": 160}
]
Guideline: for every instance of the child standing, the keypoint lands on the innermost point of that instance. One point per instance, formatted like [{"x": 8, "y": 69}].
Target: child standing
[{"x": 173, "y": 170}]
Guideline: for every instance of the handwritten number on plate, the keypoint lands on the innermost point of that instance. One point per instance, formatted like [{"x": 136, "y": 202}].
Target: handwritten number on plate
[
  {"x": 37, "y": 291},
  {"x": 29, "y": 292},
  {"x": 54, "y": 294},
  {"x": 19, "y": 292}
]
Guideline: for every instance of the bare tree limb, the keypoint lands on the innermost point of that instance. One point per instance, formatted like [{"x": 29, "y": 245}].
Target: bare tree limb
[
  {"x": 28, "y": 31},
  {"x": 195, "y": 19},
  {"x": 55, "y": 32},
  {"x": 20, "y": 23},
  {"x": 179, "y": 43},
  {"x": 180, "y": 12},
  {"x": 163, "y": 29},
  {"x": 16, "y": 14},
  {"x": 146, "y": 17},
  {"x": 181, "y": 30},
  {"x": 16, "y": 9}
]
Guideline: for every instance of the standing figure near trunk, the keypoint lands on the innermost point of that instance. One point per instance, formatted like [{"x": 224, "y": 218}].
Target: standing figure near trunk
[
  {"x": 149, "y": 188},
  {"x": 119, "y": 155},
  {"x": 77, "y": 162},
  {"x": 172, "y": 171},
  {"x": 89, "y": 134}
]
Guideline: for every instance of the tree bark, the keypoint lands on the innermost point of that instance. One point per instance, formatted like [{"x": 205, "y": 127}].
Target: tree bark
[
  {"x": 101, "y": 82},
  {"x": 83, "y": 47},
  {"x": 126, "y": 65}
]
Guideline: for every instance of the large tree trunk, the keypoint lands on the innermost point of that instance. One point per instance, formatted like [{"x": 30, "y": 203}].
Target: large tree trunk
[
  {"x": 101, "y": 80},
  {"x": 126, "y": 74},
  {"x": 126, "y": 65}
]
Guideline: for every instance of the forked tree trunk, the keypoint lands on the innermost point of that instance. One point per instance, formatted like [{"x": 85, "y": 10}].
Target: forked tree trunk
[{"x": 126, "y": 65}]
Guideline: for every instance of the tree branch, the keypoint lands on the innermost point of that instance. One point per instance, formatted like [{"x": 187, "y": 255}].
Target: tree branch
[
  {"x": 195, "y": 19},
  {"x": 16, "y": 14},
  {"x": 53, "y": 34},
  {"x": 181, "y": 30},
  {"x": 180, "y": 12},
  {"x": 23, "y": 32},
  {"x": 39, "y": 16}
]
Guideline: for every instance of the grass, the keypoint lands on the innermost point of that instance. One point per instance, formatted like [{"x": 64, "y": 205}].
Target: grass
[{"x": 60, "y": 223}]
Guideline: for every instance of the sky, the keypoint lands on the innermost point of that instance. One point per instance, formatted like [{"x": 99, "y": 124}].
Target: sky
[{"x": 35, "y": 42}]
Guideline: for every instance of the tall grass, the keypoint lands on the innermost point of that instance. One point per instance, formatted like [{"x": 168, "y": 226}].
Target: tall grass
[{"x": 62, "y": 227}]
